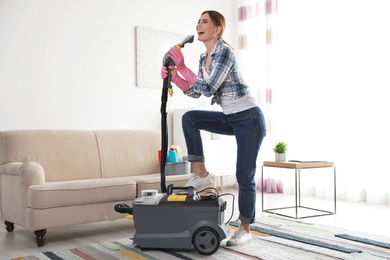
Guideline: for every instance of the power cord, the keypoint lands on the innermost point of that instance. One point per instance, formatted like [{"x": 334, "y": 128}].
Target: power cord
[
  {"x": 231, "y": 216},
  {"x": 213, "y": 193}
]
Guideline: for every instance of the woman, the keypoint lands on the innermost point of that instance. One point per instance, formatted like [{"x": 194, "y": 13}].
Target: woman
[{"x": 218, "y": 76}]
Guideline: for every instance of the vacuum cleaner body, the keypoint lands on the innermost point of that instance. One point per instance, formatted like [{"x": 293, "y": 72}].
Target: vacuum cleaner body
[{"x": 180, "y": 222}]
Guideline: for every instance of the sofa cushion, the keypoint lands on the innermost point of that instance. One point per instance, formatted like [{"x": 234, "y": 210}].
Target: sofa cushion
[
  {"x": 128, "y": 152},
  {"x": 71, "y": 193},
  {"x": 64, "y": 154}
]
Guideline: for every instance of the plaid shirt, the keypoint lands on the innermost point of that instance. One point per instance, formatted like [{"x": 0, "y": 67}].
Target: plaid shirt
[{"x": 223, "y": 80}]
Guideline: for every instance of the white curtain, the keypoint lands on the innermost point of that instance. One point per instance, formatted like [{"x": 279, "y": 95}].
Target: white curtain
[
  {"x": 257, "y": 37},
  {"x": 328, "y": 72}
]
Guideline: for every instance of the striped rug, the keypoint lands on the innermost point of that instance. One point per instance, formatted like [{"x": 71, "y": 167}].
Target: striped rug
[{"x": 273, "y": 238}]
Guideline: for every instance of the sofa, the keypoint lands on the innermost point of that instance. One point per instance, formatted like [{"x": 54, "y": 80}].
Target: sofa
[{"x": 58, "y": 178}]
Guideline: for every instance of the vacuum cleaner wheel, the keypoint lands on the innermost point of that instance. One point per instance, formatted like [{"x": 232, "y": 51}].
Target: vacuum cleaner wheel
[{"x": 206, "y": 241}]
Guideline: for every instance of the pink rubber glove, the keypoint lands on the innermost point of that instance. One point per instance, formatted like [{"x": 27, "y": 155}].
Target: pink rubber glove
[
  {"x": 178, "y": 58},
  {"x": 164, "y": 72},
  {"x": 179, "y": 81}
]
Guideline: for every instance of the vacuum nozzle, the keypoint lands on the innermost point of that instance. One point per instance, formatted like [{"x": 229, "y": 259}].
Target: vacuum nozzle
[{"x": 188, "y": 39}]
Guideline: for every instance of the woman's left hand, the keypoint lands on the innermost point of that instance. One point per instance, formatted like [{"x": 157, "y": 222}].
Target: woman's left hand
[
  {"x": 179, "y": 81},
  {"x": 164, "y": 72}
]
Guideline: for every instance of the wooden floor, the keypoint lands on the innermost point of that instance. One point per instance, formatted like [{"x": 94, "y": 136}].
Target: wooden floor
[{"x": 356, "y": 216}]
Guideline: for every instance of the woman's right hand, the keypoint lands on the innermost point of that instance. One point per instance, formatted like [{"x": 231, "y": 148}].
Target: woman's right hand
[{"x": 177, "y": 57}]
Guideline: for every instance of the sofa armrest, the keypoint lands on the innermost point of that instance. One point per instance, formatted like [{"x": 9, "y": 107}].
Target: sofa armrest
[
  {"x": 15, "y": 178},
  {"x": 10, "y": 168},
  {"x": 30, "y": 173}
]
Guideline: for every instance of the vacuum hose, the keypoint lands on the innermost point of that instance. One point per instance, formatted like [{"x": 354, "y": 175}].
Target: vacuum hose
[{"x": 167, "y": 61}]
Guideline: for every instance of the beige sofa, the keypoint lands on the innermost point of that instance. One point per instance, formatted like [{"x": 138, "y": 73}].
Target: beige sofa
[{"x": 56, "y": 178}]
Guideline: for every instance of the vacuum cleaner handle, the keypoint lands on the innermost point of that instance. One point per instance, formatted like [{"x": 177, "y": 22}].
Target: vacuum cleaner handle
[
  {"x": 123, "y": 208},
  {"x": 189, "y": 189}
]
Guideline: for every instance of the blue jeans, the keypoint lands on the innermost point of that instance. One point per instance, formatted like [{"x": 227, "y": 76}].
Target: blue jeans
[{"x": 249, "y": 129}]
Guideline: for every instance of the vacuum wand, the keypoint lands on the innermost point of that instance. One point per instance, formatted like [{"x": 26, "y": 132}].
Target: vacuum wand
[{"x": 167, "y": 62}]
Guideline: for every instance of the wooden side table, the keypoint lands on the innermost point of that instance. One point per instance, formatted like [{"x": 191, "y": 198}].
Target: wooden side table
[{"x": 298, "y": 166}]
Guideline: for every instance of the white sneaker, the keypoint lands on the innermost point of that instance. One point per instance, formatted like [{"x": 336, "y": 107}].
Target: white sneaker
[
  {"x": 196, "y": 181},
  {"x": 240, "y": 237}
]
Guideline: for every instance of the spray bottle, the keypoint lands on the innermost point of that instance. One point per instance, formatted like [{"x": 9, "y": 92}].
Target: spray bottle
[{"x": 172, "y": 154}]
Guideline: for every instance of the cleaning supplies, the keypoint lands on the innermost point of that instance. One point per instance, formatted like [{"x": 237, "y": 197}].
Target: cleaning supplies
[{"x": 179, "y": 155}]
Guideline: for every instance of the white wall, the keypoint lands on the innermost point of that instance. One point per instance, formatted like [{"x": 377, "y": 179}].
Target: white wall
[
  {"x": 71, "y": 64},
  {"x": 335, "y": 57}
]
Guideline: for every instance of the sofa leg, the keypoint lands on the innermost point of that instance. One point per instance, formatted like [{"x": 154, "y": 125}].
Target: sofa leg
[
  {"x": 9, "y": 226},
  {"x": 40, "y": 237}
]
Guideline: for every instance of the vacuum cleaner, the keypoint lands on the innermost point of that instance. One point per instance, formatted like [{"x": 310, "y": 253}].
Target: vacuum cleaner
[{"x": 178, "y": 217}]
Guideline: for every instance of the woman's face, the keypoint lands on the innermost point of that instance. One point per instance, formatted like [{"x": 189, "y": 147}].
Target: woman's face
[{"x": 206, "y": 29}]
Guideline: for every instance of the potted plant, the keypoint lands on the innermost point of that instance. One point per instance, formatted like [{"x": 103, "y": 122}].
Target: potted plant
[{"x": 280, "y": 149}]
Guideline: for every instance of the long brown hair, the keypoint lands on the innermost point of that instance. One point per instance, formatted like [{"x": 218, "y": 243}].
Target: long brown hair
[{"x": 218, "y": 20}]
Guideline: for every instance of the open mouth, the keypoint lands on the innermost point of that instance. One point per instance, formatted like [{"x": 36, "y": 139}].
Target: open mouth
[{"x": 200, "y": 32}]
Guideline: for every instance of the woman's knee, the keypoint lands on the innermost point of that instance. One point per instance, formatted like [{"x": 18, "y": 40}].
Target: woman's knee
[{"x": 186, "y": 118}]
